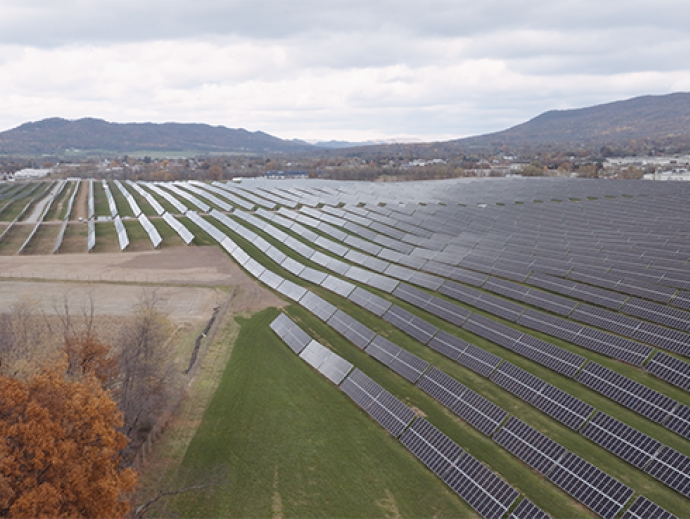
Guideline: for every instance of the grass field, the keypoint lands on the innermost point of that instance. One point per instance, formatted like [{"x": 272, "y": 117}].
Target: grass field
[
  {"x": 123, "y": 207},
  {"x": 163, "y": 202},
  {"x": 293, "y": 445},
  {"x": 138, "y": 237},
  {"x": 100, "y": 200},
  {"x": 143, "y": 204},
  {"x": 106, "y": 238},
  {"x": 11, "y": 211},
  {"x": 200, "y": 237},
  {"x": 75, "y": 238},
  {"x": 44, "y": 240},
  {"x": 15, "y": 238},
  {"x": 168, "y": 234}
]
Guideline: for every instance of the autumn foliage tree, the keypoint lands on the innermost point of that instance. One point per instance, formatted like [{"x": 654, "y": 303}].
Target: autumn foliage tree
[{"x": 60, "y": 449}]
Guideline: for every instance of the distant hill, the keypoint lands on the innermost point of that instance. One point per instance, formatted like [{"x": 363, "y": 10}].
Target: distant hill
[
  {"x": 647, "y": 117},
  {"x": 55, "y": 136},
  {"x": 657, "y": 121}
]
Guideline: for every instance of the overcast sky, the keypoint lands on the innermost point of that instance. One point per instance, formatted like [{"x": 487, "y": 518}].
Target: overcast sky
[{"x": 335, "y": 69}]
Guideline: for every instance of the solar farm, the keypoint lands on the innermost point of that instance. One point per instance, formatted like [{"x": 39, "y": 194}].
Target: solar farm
[{"x": 524, "y": 341}]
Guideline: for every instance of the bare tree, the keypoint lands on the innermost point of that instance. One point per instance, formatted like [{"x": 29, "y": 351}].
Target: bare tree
[
  {"x": 147, "y": 370},
  {"x": 22, "y": 344}
]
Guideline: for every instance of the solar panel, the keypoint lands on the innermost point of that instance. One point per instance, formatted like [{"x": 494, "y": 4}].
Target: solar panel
[
  {"x": 426, "y": 280},
  {"x": 412, "y": 295},
  {"x": 550, "y": 324},
  {"x": 491, "y": 330},
  {"x": 499, "y": 307},
  {"x": 388, "y": 411},
  {"x": 315, "y": 354},
  {"x": 275, "y": 254},
  {"x": 464, "y": 353},
  {"x": 605, "y": 319},
  {"x": 528, "y": 510},
  {"x": 598, "y": 296},
  {"x": 254, "y": 267},
  {"x": 335, "y": 368},
  {"x": 352, "y": 329},
  {"x": 375, "y": 304},
  {"x": 291, "y": 334},
  {"x": 549, "y": 355},
  {"x": 679, "y": 421},
  {"x": 337, "y": 285},
  {"x": 467, "y": 276},
  {"x": 291, "y": 290},
  {"x": 383, "y": 283},
  {"x": 624, "y": 441},
  {"x": 446, "y": 310},
  {"x": 410, "y": 324},
  {"x": 399, "y": 360},
  {"x": 460, "y": 292},
  {"x": 595, "y": 489},
  {"x": 658, "y": 313},
  {"x": 522, "y": 384},
  {"x": 643, "y": 508},
  {"x": 317, "y": 305},
  {"x": 486, "y": 492},
  {"x": 312, "y": 275},
  {"x": 627, "y": 392},
  {"x": 562, "y": 406},
  {"x": 671, "y": 468},
  {"x": 534, "y": 448},
  {"x": 612, "y": 346},
  {"x": 431, "y": 446},
  {"x": 271, "y": 279},
  {"x": 551, "y": 302},
  {"x": 481, "y": 413},
  {"x": 670, "y": 369},
  {"x": 662, "y": 337}
]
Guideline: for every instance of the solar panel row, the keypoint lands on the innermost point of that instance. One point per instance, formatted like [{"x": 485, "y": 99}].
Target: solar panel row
[
  {"x": 551, "y": 400},
  {"x": 480, "y": 412},
  {"x": 399, "y": 360},
  {"x": 388, "y": 411},
  {"x": 624, "y": 441},
  {"x": 643, "y": 508},
  {"x": 591, "y": 486},
  {"x": 485, "y": 491},
  {"x": 627, "y": 392}
]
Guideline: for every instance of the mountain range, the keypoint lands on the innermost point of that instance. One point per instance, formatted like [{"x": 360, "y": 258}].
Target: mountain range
[
  {"x": 56, "y": 136},
  {"x": 652, "y": 118},
  {"x": 646, "y": 117}
]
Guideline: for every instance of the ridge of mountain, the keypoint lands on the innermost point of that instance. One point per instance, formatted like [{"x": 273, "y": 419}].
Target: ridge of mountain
[
  {"x": 657, "y": 120},
  {"x": 56, "y": 135},
  {"x": 645, "y": 117}
]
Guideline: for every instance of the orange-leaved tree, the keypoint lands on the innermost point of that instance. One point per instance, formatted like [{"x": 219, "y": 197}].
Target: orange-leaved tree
[{"x": 60, "y": 449}]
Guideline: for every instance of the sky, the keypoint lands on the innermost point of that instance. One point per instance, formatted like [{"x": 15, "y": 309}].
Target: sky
[{"x": 354, "y": 70}]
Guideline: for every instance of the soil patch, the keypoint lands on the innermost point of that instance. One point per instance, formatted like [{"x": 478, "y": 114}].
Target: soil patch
[{"x": 184, "y": 267}]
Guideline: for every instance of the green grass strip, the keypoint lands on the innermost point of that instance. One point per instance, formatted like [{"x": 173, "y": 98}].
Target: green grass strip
[{"x": 294, "y": 445}]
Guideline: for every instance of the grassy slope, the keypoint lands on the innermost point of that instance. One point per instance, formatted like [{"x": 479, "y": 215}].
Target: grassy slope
[{"x": 294, "y": 445}]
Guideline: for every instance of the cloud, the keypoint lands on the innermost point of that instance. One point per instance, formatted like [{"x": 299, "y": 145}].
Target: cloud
[{"x": 344, "y": 69}]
